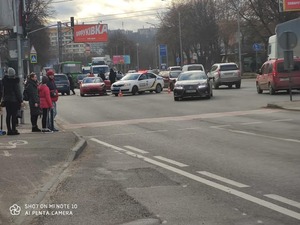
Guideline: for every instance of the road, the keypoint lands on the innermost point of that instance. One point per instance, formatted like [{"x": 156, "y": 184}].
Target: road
[{"x": 227, "y": 160}]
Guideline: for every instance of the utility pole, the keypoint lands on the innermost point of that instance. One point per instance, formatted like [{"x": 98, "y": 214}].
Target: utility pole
[
  {"x": 180, "y": 40},
  {"x": 59, "y": 39}
]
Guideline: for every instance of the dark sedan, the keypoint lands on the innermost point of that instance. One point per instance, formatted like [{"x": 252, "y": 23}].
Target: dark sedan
[{"x": 192, "y": 84}]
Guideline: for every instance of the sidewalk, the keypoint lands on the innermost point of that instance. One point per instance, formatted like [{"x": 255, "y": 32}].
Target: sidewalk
[{"x": 30, "y": 164}]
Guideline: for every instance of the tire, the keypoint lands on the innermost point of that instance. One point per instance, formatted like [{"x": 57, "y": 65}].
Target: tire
[
  {"x": 68, "y": 93},
  {"x": 158, "y": 88},
  {"x": 81, "y": 95},
  {"x": 208, "y": 96},
  {"x": 176, "y": 99},
  {"x": 230, "y": 86},
  {"x": 271, "y": 90},
  {"x": 116, "y": 95},
  {"x": 238, "y": 85},
  {"x": 258, "y": 89},
  {"x": 134, "y": 90}
]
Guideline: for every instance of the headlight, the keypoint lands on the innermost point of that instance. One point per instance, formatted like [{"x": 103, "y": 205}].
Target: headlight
[
  {"x": 202, "y": 85},
  {"x": 127, "y": 85},
  {"x": 178, "y": 87}
]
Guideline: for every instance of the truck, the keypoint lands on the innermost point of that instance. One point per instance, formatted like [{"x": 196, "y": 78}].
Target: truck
[
  {"x": 103, "y": 60},
  {"x": 274, "y": 49}
]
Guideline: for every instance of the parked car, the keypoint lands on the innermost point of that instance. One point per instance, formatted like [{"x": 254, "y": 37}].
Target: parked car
[
  {"x": 138, "y": 82},
  {"x": 273, "y": 77},
  {"x": 170, "y": 78},
  {"x": 192, "y": 84},
  {"x": 92, "y": 85},
  {"x": 225, "y": 74},
  {"x": 190, "y": 67},
  {"x": 62, "y": 83}
]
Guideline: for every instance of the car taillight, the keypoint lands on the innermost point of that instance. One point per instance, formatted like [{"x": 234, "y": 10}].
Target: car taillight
[{"x": 239, "y": 73}]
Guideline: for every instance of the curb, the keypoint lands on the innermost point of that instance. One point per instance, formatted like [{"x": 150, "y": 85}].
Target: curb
[
  {"x": 276, "y": 106},
  {"x": 78, "y": 148},
  {"x": 149, "y": 221}
]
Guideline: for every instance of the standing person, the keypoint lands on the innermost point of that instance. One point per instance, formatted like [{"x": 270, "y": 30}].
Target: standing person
[
  {"x": 70, "y": 78},
  {"x": 54, "y": 97},
  {"x": 34, "y": 101},
  {"x": 12, "y": 99},
  {"x": 45, "y": 103},
  {"x": 102, "y": 76},
  {"x": 112, "y": 76}
]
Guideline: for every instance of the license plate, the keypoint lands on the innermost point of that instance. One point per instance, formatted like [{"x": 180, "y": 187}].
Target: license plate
[
  {"x": 190, "y": 91},
  {"x": 59, "y": 86}
]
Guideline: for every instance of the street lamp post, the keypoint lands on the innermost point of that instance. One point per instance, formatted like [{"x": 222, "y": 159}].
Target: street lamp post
[
  {"x": 239, "y": 38},
  {"x": 137, "y": 56},
  {"x": 180, "y": 40}
]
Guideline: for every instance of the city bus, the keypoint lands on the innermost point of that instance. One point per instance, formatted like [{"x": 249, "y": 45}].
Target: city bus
[{"x": 72, "y": 67}]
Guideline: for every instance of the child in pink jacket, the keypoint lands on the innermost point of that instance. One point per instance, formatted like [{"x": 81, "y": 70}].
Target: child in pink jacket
[{"x": 45, "y": 103}]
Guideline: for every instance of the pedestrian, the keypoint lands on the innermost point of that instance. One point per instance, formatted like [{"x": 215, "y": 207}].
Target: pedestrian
[
  {"x": 70, "y": 78},
  {"x": 102, "y": 76},
  {"x": 45, "y": 103},
  {"x": 12, "y": 99},
  {"x": 112, "y": 76},
  {"x": 54, "y": 97},
  {"x": 34, "y": 101}
]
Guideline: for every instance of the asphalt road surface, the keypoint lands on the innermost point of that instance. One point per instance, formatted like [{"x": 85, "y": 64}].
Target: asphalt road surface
[{"x": 227, "y": 160}]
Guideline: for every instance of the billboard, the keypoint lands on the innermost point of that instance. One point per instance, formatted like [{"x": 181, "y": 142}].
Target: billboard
[
  {"x": 121, "y": 59},
  {"x": 289, "y": 5},
  {"x": 90, "y": 33},
  {"x": 6, "y": 14}
]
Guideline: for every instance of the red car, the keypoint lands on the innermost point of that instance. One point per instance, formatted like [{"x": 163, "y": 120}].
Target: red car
[
  {"x": 92, "y": 85},
  {"x": 273, "y": 77}
]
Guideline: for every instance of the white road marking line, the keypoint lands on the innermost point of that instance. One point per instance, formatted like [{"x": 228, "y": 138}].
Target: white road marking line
[
  {"x": 190, "y": 128},
  {"x": 282, "y": 120},
  {"x": 223, "y": 179},
  {"x": 7, "y": 154},
  {"x": 136, "y": 149},
  {"x": 228, "y": 190},
  {"x": 250, "y": 123},
  {"x": 259, "y": 135},
  {"x": 284, "y": 200},
  {"x": 171, "y": 161},
  {"x": 220, "y": 127},
  {"x": 67, "y": 126}
]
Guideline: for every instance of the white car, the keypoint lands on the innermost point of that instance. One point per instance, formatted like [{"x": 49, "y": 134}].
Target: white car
[{"x": 138, "y": 83}]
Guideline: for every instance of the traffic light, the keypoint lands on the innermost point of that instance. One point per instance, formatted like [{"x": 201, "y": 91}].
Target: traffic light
[{"x": 72, "y": 21}]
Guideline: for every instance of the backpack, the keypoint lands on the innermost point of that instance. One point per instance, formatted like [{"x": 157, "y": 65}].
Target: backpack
[{"x": 25, "y": 95}]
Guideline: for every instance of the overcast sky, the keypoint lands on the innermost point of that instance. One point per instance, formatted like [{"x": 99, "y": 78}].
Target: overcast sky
[{"x": 118, "y": 14}]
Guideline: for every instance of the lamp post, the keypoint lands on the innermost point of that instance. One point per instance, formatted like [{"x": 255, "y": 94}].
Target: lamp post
[
  {"x": 155, "y": 45},
  {"x": 180, "y": 40},
  {"x": 137, "y": 56},
  {"x": 239, "y": 38}
]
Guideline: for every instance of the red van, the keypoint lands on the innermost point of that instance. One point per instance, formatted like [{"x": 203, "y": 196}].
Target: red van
[{"x": 273, "y": 77}]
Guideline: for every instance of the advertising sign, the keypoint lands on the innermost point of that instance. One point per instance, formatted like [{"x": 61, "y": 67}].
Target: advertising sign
[
  {"x": 90, "y": 33},
  {"x": 6, "y": 14},
  {"x": 289, "y": 5},
  {"x": 121, "y": 59}
]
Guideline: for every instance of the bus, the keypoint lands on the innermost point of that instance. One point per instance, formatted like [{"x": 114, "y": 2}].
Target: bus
[{"x": 72, "y": 67}]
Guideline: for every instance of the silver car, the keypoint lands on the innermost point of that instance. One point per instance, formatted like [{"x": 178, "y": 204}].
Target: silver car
[{"x": 225, "y": 74}]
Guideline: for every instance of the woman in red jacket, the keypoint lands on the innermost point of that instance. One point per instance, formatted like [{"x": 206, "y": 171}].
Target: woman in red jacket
[{"x": 45, "y": 103}]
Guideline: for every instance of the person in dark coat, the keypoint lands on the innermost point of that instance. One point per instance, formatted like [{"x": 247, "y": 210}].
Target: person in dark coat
[
  {"x": 102, "y": 76},
  {"x": 12, "y": 98},
  {"x": 70, "y": 78},
  {"x": 34, "y": 100},
  {"x": 112, "y": 76}
]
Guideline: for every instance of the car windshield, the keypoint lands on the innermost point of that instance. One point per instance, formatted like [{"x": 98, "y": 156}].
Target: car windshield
[
  {"x": 60, "y": 77},
  {"x": 88, "y": 80},
  {"x": 131, "y": 76},
  {"x": 192, "y": 76},
  {"x": 194, "y": 68},
  {"x": 98, "y": 70},
  {"x": 228, "y": 67},
  {"x": 174, "y": 74},
  {"x": 80, "y": 77}
]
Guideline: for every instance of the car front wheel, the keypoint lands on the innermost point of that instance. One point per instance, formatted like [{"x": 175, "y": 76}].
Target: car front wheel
[
  {"x": 271, "y": 90},
  {"x": 134, "y": 90},
  {"x": 158, "y": 88},
  {"x": 258, "y": 89}
]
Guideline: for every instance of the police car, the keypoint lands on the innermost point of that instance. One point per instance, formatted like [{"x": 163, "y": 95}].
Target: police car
[{"x": 138, "y": 82}]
